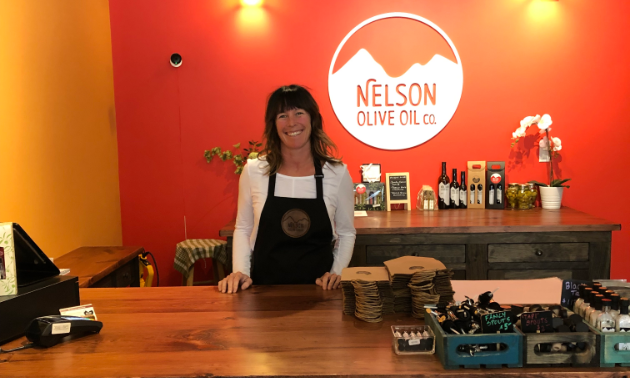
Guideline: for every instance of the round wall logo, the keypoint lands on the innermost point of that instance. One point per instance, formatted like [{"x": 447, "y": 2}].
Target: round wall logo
[
  {"x": 395, "y": 113},
  {"x": 296, "y": 223}
]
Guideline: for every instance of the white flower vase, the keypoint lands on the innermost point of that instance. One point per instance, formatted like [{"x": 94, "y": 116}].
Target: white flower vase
[{"x": 551, "y": 197}]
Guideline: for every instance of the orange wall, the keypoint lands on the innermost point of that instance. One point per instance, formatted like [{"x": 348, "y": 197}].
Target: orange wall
[{"x": 58, "y": 150}]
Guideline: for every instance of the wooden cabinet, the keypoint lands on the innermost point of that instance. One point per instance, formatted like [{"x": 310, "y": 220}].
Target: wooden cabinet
[{"x": 488, "y": 244}]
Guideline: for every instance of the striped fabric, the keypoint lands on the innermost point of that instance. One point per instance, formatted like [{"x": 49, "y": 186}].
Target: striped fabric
[{"x": 192, "y": 250}]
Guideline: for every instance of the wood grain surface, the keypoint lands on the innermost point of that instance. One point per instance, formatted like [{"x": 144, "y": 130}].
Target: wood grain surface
[
  {"x": 92, "y": 264},
  {"x": 265, "y": 331},
  {"x": 472, "y": 221}
]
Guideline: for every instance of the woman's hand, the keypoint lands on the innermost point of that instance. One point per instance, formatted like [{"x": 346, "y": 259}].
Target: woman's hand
[
  {"x": 329, "y": 281},
  {"x": 231, "y": 283}
]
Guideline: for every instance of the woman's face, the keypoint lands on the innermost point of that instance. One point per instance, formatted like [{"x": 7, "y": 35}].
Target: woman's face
[{"x": 294, "y": 129}]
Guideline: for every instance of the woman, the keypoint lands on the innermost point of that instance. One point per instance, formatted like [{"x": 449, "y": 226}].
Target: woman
[{"x": 295, "y": 220}]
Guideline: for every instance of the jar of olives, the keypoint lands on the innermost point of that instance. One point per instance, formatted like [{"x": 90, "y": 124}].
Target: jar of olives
[
  {"x": 533, "y": 194},
  {"x": 511, "y": 194},
  {"x": 524, "y": 197}
]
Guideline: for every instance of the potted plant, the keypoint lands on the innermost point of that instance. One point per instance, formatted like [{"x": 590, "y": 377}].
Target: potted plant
[{"x": 550, "y": 194}]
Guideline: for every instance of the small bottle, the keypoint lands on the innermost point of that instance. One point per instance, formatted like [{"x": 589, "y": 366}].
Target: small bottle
[
  {"x": 614, "y": 307},
  {"x": 443, "y": 189},
  {"x": 479, "y": 194},
  {"x": 623, "y": 320},
  {"x": 431, "y": 200},
  {"x": 425, "y": 200},
  {"x": 596, "y": 310},
  {"x": 472, "y": 194},
  {"x": 491, "y": 195},
  {"x": 585, "y": 304},
  {"x": 591, "y": 305},
  {"x": 608, "y": 293},
  {"x": 499, "y": 194},
  {"x": 596, "y": 286},
  {"x": 462, "y": 192},
  {"x": 580, "y": 300},
  {"x": 454, "y": 188},
  {"x": 605, "y": 322}
]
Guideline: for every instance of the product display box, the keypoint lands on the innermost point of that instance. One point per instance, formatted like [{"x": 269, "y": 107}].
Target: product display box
[
  {"x": 370, "y": 196},
  {"x": 476, "y": 184},
  {"x": 495, "y": 185},
  {"x": 45, "y": 297}
]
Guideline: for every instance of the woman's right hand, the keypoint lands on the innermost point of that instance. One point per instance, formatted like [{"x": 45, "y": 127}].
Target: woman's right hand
[{"x": 231, "y": 283}]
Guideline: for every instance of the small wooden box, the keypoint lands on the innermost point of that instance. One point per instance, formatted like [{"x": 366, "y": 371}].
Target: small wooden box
[
  {"x": 446, "y": 348},
  {"x": 608, "y": 356}
]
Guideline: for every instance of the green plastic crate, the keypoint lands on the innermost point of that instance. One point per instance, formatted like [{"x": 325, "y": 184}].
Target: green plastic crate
[{"x": 608, "y": 356}]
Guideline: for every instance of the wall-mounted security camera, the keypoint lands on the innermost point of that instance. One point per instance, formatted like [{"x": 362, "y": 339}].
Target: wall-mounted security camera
[{"x": 176, "y": 60}]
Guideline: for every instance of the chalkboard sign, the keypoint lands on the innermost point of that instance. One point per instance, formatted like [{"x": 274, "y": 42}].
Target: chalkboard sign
[
  {"x": 570, "y": 292},
  {"x": 497, "y": 321},
  {"x": 398, "y": 190},
  {"x": 537, "y": 321}
]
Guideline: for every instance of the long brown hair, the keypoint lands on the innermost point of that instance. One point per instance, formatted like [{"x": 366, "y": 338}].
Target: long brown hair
[{"x": 295, "y": 97}]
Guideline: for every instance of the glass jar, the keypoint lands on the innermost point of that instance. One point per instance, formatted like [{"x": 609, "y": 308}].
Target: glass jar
[
  {"x": 523, "y": 197},
  {"x": 533, "y": 194},
  {"x": 511, "y": 195}
]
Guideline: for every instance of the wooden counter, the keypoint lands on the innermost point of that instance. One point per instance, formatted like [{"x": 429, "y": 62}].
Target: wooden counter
[
  {"x": 487, "y": 244},
  {"x": 269, "y": 331}
]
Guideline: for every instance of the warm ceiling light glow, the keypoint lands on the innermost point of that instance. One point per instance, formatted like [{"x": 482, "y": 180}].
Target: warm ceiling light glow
[{"x": 251, "y": 3}]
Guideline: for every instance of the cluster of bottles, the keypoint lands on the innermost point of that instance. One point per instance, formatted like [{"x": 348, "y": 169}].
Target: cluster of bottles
[
  {"x": 453, "y": 195},
  {"x": 603, "y": 308}
]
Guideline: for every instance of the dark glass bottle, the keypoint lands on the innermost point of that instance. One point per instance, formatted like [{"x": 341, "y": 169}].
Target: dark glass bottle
[
  {"x": 444, "y": 201},
  {"x": 463, "y": 194},
  {"x": 479, "y": 194},
  {"x": 454, "y": 191}
]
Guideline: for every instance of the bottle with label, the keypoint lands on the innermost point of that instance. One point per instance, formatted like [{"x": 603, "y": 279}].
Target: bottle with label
[
  {"x": 462, "y": 192},
  {"x": 605, "y": 322},
  {"x": 614, "y": 306},
  {"x": 623, "y": 320},
  {"x": 591, "y": 305},
  {"x": 444, "y": 192},
  {"x": 596, "y": 310},
  {"x": 491, "y": 195},
  {"x": 454, "y": 191},
  {"x": 431, "y": 200},
  {"x": 499, "y": 195},
  {"x": 580, "y": 300},
  {"x": 587, "y": 300},
  {"x": 479, "y": 194},
  {"x": 472, "y": 194}
]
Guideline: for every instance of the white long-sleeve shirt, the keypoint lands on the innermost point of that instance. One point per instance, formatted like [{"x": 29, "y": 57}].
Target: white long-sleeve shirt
[{"x": 252, "y": 194}]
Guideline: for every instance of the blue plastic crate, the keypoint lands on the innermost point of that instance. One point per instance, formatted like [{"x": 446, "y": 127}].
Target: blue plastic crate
[{"x": 446, "y": 348}]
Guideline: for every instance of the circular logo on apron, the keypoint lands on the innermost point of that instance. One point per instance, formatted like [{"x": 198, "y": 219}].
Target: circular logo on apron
[{"x": 296, "y": 223}]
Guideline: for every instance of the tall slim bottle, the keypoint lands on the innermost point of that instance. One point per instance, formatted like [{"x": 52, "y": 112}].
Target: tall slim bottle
[
  {"x": 454, "y": 191},
  {"x": 463, "y": 195},
  {"x": 444, "y": 201}
]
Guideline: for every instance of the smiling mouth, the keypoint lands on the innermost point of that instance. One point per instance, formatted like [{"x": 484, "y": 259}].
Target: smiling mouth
[{"x": 294, "y": 133}]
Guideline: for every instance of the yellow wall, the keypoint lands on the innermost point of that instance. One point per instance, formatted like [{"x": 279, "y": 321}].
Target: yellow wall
[{"x": 58, "y": 150}]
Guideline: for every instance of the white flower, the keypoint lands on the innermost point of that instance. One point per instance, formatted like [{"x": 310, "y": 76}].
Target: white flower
[
  {"x": 528, "y": 121},
  {"x": 519, "y": 133},
  {"x": 557, "y": 144},
  {"x": 544, "y": 122}
]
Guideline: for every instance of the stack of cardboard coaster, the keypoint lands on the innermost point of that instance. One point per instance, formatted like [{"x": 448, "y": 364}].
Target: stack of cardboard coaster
[
  {"x": 367, "y": 293},
  {"x": 417, "y": 281}
]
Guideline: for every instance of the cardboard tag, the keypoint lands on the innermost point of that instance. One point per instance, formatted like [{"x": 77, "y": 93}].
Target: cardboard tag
[
  {"x": 83, "y": 311},
  {"x": 570, "y": 292},
  {"x": 497, "y": 321},
  {"x": 531, "y": 322},
  {"x": 373, "y": 273}
]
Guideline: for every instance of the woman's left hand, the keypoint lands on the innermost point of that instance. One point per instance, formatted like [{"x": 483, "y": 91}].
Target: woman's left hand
[{"x": 329, "y": 281}]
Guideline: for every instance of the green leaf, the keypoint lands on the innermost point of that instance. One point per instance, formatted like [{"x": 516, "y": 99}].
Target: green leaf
[
  {"x": 558, "y": 182},
  {"x": 237, "y": 145},
  {"x": 258, "y": 144},
  {"x": 537, "y": 183},
  {"x": 251, "y": 143}
]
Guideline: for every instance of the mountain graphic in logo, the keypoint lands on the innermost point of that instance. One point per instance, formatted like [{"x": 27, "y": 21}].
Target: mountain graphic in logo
[
  {"x": 296, "y": 223},
  {"x": 395, "y": 112}
]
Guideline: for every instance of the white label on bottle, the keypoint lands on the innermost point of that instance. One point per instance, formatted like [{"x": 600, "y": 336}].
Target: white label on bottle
[
  {"x": 414, "y": 342},
  {"x": 491, "y": 197},
  {"x": 479, "y": 197},
  {"x": 431, "y": 205},
  {"x": 608, "y": 329},
  {"x": 455, "y": 196},
  {"x": 499, "y": 195},
  {"x": 462, "y": 197},
  {"x": 426, "y": 205},
  {"x": 60, "y": 328},
  {"x": 472, "y": 197},
  {"x": 444, "y": 193}
]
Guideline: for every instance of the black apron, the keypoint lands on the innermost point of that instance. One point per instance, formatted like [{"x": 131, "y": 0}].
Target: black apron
[{"x": 294, "y": 240}]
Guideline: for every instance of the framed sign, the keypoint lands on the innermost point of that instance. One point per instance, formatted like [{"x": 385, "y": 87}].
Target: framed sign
[
  {"x": 398, "y": 190},
  {"x": 370, "y": 173},
  {"x": 8, "y": 277}
]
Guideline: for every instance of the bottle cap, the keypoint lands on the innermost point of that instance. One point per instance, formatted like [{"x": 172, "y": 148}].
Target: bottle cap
[
  {"x": 598, "y": 302},
  {"x": 596, "y": 285},
  {"x": 581, "y": 290},
  {"x": 615, "y": 301},
  {"x": 591, "y": 297},
  {"x": 587, "y": 294},
  {"x": 606, "y": 302},
  {"x": 623, "y": 306},
  {"x": 602, "y": 289},
  {"x": 608, "y": 293}
]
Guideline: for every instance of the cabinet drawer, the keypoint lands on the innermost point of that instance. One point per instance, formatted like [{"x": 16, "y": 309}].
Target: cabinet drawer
[
  {"x": 453, "y": 256},
  {"x": 498, "y": 253},
  {"x": 531, "y": 274}
]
